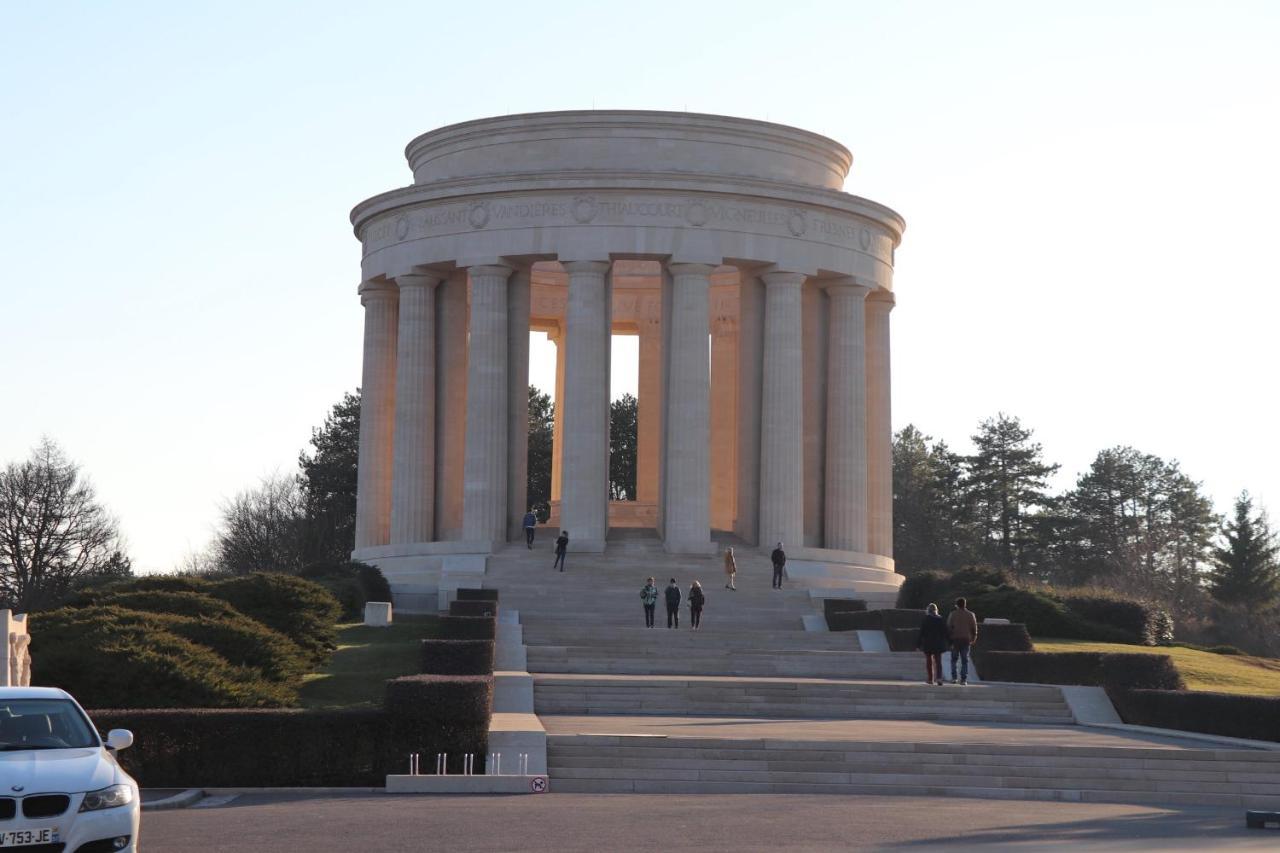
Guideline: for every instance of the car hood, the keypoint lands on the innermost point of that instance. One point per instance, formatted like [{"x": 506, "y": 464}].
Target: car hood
[{"x": 66, "y": 771}]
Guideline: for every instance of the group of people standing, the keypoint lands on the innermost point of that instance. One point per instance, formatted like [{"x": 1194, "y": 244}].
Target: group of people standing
[
  {"x": 959, "y": 631},
  {"x": 671, "y": 595}
]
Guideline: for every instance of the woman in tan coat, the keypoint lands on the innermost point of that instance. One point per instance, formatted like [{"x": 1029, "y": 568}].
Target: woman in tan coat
[{"x": 730, "y": 568}]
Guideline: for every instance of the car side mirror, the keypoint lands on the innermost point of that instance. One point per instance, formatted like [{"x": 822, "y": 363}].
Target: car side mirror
[{"x": 118, "y": 739}]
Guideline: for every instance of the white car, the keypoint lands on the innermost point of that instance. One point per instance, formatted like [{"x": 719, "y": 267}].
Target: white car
[{"x": 61, "y": 788}]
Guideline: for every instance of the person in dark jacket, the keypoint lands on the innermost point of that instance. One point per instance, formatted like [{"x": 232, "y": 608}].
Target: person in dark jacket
[
  {"x": 562, "y": 545},
  {"x": 530, "y": 525},
  {"x": 933, "y": 642},
  {"x": 672, "y": 593},
  {"x": 696, "y": 602},
  {"x": 649, "y": 598},
  {"x": 779, "y": 558}
]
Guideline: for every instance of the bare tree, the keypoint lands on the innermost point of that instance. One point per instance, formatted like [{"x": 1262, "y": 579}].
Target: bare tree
[
  {"x": 264, "y": 529},
  {"x": 53, "y": 532}
]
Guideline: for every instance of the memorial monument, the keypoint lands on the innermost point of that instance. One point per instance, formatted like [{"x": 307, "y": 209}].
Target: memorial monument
[{"x": 760, "y": 292}]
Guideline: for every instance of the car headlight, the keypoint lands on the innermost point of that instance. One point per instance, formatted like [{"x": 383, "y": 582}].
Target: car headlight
[{"x": 107, "y": 798}]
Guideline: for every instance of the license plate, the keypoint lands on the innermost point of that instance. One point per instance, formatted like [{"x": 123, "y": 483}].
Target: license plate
[{"x": 25, "y": 837}]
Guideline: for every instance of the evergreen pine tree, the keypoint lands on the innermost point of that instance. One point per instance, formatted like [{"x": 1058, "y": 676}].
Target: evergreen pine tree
[{"x": 1245, "y": 568}]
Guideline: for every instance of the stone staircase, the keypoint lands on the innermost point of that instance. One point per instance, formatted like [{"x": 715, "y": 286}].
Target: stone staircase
[
  {"x": 1168, "y": 776},
  {"x": 754, "y": 702}
]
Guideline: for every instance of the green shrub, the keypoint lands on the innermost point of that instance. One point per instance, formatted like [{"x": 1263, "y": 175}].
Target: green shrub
[
  {"x": 352, "y": 583},
  {"x": 1217, "y": 650},
  {"x": 1003, "y": 638},
  {"x": 902, "y": 639},
  {"x": 1145, "y": 623},
  {"x": 473, "y": 608},
  {"x": 194, "y": 604},
  {"x": 1100, "y": 669},
  {"x": 457, "y": 657},
  {"x": 139, "y": 660},
  {"x": 1043, "y": 616},
  {"x": 464, "y": 699},
  {"x": 302, "y": 610},
  {"x": 1227, "y": 714},
  {"x": 843, "y": 620},
  {"x": 477, "y": 595},
  {"x": 468, "y": 628},
  {"x": 921, "y": 589}
]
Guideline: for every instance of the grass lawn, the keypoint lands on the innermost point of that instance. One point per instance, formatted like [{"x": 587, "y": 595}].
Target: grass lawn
[
  {"x": 1200, "y": 670},
  {"x": 366, "y": 657}
]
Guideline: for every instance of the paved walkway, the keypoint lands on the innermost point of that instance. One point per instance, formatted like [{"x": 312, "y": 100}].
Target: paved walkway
[
  {"x": 884, "y": 731},
  {"x": 710, "y": 823}
]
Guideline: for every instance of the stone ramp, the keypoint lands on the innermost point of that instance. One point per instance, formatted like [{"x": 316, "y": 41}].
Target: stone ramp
[{"x": 754, "y": 755}]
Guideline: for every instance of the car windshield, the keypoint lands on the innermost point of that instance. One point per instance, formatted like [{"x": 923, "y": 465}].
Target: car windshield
[{"x": 43, "y": 724}]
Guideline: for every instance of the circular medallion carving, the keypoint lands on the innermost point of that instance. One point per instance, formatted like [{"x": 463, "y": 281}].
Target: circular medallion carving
[
  {"x": 796, "y": 223},
  {"x": 479, "y": 215},
  {"x": 584, "y": 209},
  {"x": 696, "y": 213},
  {"x": 402, "y": 228},
  {"x": 864, "y": 239}
]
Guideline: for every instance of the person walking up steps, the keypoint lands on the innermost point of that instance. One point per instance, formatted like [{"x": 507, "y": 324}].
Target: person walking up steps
[
  {"x": 932, "y": 640},
  {"x": 696, "y": 602},
  {"x": 649, "y": 598},
  {"x": 730, "y": 568},
  {"x": 779, "y": 559},
  {"x": 530, "y": 524},
  {"x": 562, "y": 545},
  {"x": 672, "y": 593},
  {"x": 962, "y": 626}
]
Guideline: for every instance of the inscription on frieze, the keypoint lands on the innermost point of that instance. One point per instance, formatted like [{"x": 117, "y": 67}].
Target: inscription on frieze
[{"x": 780, "y": 220}]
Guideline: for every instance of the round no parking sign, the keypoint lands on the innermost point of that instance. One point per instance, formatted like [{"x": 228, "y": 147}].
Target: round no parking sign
[{"x": 538, "y": 784}]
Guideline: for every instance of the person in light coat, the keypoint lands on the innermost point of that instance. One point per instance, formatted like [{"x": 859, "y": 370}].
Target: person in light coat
[{"x": 730, "y": 568}]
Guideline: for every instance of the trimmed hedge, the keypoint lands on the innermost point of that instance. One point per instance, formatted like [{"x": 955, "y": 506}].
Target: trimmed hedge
[
  {"x": 1227, "y": 714},
  {"x": 876, "y": 620},
  {"x": 352, "y": 583},
  {"x": 468, "y": 628},
  {"x": 302, "y": 610},
  {"x": 457, "y": 657},
  {"x": 196, "y": 604},
  {"x": 473, "y": 608},
  {"x": 841, "y": 605},
  {"x": 477, "y": 595},
  {"x": 1101, "y": 669},
  {"x": 1144, "y": 623},
  {"x": 463, "y": 699},
  {"x": 1003, "y": 638},
  {"x": 902, "y": 639}
]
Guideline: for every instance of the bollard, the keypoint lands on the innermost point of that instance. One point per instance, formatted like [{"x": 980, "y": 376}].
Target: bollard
[
  {"x": 468, "y": 763},
  {"x": 441, "y": 769}
]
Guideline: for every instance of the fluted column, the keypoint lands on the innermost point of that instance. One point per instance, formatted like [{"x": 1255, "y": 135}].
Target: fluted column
[
  {"x": 518, "y": 296},
  {"x": 649, "y": 406},
  {"x": 750, "y": 346},
  {"x": 879, "y": 426},
  {"x": 557, "y": 424},
  {"x": 781, "y": 414},
  {"x": 724, "y": 416},
  {"x": 845, "y": 501},
  {"x": 377, "y": 414},
  {"x": 584, "y": 504},
  {"x": 484, "y": 489},
  {"x": 413, "y": 477},
  {"x": 688, "y": 483},
  {"x": 451, "y": 403}
]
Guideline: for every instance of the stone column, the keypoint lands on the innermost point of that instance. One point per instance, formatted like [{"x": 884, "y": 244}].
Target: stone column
[
  {"x": 557, "y": 426},
  {"x": 518, "y": 303},
  {"x": 649, "y": 404},
  {"x": 688, "y": 483},
  {"x": 879, "y": 426},
  {"x": 451, "y": 403},
  {"x": 724, "y": 417},
  {"x": 584, "y": 504},
  {"x": 377, "y": 414},
  {"x": 413, "y": 478},
  {"x": 750, "y": 345},
  {"x": 845, "y": 502},
  {"x": 484, "y": 488},
  {"x": 781, "y": 414}
]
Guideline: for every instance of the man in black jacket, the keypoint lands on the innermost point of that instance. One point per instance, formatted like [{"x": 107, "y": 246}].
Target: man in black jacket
[
  {"x": 779, "y": 558},
  {"x": 673, "y": 604}
]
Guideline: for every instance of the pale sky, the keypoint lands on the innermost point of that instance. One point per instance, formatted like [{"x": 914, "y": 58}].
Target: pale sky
[{"x": 1090, "y": 192}]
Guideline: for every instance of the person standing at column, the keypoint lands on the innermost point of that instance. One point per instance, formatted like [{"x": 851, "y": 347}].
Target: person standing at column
[
  {"x": 649, "y": 598},
  {"x": 932, "y": 640},
  {"x": 562, "y": 545},
  {"x": 730, "y": 568},
  {"x": 672, "y": 594},
  {"x": 530, "y": 525},
  {"x": 696, "y": 602},
  {"x": 779, "y": 560}
]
